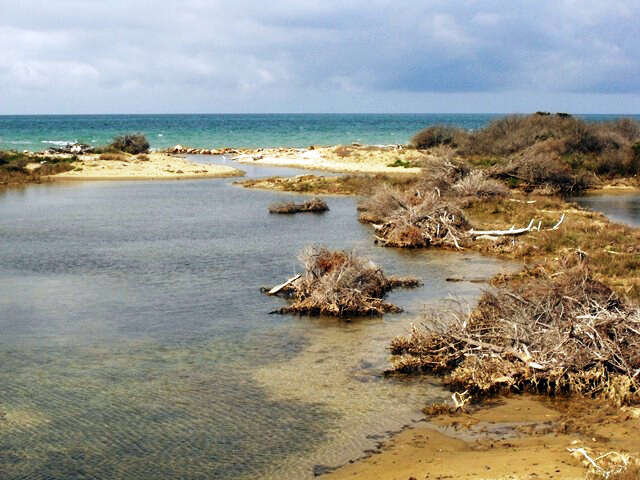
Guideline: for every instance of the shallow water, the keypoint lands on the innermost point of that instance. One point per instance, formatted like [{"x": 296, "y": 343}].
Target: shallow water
[
  {"x": 135, "y": 342},
  {"x": 624, "y": 208}
]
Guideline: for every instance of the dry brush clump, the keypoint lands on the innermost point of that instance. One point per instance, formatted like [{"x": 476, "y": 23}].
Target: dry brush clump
[
  {"x": 316, "y": 205},
  {"x": 340, "y": 284},
  {"x": 476, "y": 184},
  {"x": 439, "y": 135},
  {"x": 563, "y": 333},
  {"x": 429, "y": 212},
  {"x": 416, "y": 220}
]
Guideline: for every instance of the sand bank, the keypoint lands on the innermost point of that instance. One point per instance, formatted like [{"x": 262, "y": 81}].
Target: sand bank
[
  {"x": 153, "y": 166},
  {"x": 345, "y": 159},
  {"x": 515, "y": 438}
]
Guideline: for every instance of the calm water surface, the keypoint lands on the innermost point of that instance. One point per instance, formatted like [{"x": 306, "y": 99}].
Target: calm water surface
[
  {"x": 624, "y": 208},
  {"x": 135, "y": 343}
]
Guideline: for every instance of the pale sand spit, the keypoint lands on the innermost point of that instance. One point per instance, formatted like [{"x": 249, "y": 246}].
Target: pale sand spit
[{"x": 345, "y": 159}]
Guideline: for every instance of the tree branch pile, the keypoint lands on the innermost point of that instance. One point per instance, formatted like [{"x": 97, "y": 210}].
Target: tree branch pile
[
  {"x": 560, "y": 334},
  {"x": 415, "y": 219},
  {"x": 340, "y": 284},
  {"x": 429, "y": 213}
]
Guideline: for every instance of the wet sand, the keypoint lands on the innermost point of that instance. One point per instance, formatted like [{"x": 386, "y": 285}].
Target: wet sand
[
  {"x": 515, "y": 438},
  {"x": 159, "y": 166}
]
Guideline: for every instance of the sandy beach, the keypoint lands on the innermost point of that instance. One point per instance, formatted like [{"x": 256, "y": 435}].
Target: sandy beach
[
  {"x": 153, "y": 166},
  {"x": 520, "y": 437},
  {"x": 343, "y": 159}
]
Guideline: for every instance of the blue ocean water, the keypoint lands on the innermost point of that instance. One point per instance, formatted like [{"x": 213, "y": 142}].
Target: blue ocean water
[{"x": 38, "y": 132}]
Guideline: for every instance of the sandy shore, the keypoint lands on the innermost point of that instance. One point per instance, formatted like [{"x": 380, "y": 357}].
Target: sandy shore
[
  {"x": 344, "y": 159},
  {"x": 515, "y": 438},
  {"x": 154, "y": 166}
]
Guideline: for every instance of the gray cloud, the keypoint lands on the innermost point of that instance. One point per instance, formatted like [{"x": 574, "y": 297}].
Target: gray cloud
[{"x": 197, "y": 55}]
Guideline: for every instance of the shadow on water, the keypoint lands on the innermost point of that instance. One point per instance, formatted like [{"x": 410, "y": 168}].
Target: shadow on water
[{"x": 135, "y": 343}]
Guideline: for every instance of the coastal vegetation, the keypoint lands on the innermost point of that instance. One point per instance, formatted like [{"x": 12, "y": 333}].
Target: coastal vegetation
[
  {"x": 315, "y": 205},
  {"x": 19, "y": 168},
  {"x": 559, "y": 151},
  {"x": 340, "y": 284},
  {"x": 567, "y": 323},
  {"x": 133, "y": 143}
]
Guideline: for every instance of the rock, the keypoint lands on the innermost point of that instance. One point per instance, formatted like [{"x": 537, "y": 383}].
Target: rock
[{"x": 73, "y": 148}]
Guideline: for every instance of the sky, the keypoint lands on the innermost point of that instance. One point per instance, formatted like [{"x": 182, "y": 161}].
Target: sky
[{"x": 133, "y": 56}]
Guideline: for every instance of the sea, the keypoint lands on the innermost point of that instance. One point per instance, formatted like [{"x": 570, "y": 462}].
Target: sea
[{"x": 39, "y": 132}]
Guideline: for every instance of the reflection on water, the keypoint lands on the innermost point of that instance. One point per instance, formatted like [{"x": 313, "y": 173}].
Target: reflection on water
[
  {"x": 135, "y": 343},
  {"x": 620, "y": 208}
]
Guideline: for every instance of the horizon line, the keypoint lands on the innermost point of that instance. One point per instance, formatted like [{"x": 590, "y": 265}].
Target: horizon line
[{"x": 308, "y": 113}]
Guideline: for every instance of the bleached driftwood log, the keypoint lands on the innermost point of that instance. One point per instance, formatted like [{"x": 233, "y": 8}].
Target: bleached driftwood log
[
  {"x": 511, "y": 231},
  {"x": 494, "y": 234},
  {"x": 277, "y": 288}
]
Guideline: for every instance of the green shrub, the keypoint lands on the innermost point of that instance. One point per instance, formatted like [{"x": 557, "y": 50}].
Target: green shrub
[
  {"x": 131, "y": 143},
  {"x": 401, "y": 163}
]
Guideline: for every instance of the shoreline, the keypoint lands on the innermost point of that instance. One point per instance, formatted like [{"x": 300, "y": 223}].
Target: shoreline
[
  {"x": 152, "y": 166},
  {"x": 413, "y": 445},
  {"x": 514, "y": 437}
]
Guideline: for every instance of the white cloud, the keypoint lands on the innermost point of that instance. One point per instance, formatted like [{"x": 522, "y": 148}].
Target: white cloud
[{"x": 277, "y": 54}]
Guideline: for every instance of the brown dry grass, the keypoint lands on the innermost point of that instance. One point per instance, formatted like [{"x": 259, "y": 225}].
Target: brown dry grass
[{"x": 114, "y": 156}]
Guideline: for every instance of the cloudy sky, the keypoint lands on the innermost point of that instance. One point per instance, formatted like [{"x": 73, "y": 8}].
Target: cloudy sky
[{"x": 133, "y": 56}]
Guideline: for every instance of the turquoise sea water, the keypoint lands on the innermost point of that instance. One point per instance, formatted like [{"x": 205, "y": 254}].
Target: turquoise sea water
[{"x": 38, "y": 132}]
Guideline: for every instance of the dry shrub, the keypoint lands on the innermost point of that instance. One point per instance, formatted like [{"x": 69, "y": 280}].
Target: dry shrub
[
  {"x": 54, "y": 168},
  {"x": 565, "y": 145},
  {"x": 424, "y": 215},
  {"x": 476, "y": 184},
  {"x": 560, "y": 334},
  {"x": 543, "y": 164},
  {"x": 439, "y": 135},
  {"x": 341, "y": 284},
  {"x": 415, "y": 220},
  {"x": 315, "y": 205},
  {"x": 514, "y": 133},
  {"x": 384, "y": 202},
  {"x": 113, "y": 156},
  {"x": 142, "y": 157}
]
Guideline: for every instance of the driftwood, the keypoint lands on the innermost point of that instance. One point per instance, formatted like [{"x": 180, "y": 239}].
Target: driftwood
[
  {"x": 277, "y": 288},
  {"x": 494, "y": 234},
  {"x": 512, "y": 231}
]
